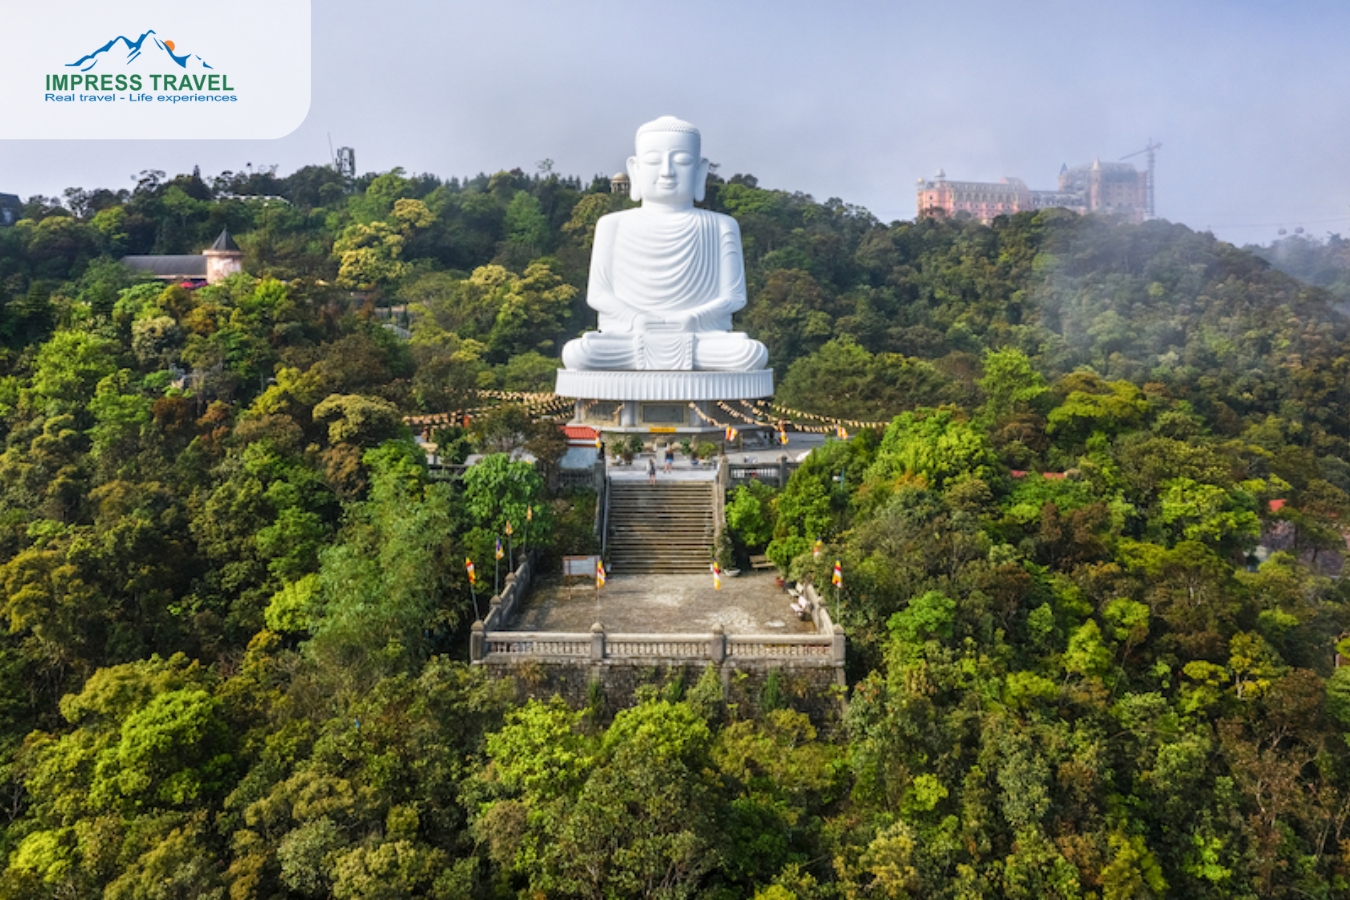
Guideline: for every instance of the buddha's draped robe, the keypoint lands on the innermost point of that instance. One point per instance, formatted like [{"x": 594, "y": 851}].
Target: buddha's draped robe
[{"x": 648, "y": 269}]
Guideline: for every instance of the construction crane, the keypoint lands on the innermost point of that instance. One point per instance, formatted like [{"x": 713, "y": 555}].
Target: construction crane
[{"x": 1151, "y": 150}]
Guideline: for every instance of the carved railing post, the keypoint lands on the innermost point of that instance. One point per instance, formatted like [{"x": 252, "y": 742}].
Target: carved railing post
[
  {"x": 494, "y": 617},
  {"x": 782, "y": 472},
  {"x": 477, "y": 642},
  {"x": 717, "y": 648},
  {"x": 838, "y": 645},
  {"x": 597, "y": 642}
]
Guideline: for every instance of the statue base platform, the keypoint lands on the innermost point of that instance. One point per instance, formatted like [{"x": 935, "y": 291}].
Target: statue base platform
[
  {"x": 664, "y": 386},
  {"x": 680, "y": 402}
]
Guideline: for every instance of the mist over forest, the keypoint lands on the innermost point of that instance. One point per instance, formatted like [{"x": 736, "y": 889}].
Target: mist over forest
[{"x": 1092, "y": 544}]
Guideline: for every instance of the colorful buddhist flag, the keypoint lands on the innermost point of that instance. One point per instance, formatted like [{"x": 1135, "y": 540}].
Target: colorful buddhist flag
[
  {"x": 468, "y": 567},
  {"x": 599, "y": 573},
  {"x": 815, "y": 551},
  {"x": 509, "y": 530},
  {"x": 529, "y": 514},
  {"x": 841, "y": 432},
  {"x": 838, "y": 579},
  {"x": 731, "y": 433},
  {"x": 499, "y": 552},
  {"x": 717, "y": 577}
]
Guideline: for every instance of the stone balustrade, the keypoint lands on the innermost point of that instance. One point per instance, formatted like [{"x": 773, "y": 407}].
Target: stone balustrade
[
  {"x": 490, "y": 645},
  {"x": 502, "y": 607},
  {"x": 775, "y": 474}
]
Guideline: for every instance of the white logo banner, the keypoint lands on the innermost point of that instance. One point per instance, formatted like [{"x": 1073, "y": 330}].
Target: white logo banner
[{"x": 154, "y": 69}]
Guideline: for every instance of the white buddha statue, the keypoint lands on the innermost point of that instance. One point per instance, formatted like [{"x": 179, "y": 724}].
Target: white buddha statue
[{"x": 666, "y": 277}]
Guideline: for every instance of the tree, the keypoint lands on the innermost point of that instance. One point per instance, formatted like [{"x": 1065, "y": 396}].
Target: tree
[
  {"x": 1010, "y": 383},
  {"x": 531, "y": 313},
  {"x": 935, "y": 445},
  {"x": 498, "y": 490},
  {"x": 388, "y": 585},
  {"x": 750, "y": 514},
  {"x": 369, "y": 256},
  {"x": 638, "y": 821},
  {"x": 526, "y": 225},
  {"x": 844, "y": 380}
]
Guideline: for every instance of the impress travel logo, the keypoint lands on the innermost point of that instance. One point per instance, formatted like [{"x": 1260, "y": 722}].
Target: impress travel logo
[
  {"x": 188, "y": 71},
  {"x": 126, "y": 68}
]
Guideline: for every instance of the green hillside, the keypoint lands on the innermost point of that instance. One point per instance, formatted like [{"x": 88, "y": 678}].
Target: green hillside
[{"x": 1089, "y": 560}]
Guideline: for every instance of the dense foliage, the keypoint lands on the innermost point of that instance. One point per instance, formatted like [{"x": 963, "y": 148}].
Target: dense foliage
[{"x": 1088, "y": 562}]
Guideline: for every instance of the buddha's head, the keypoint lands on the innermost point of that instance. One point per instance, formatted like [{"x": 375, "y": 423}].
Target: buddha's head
[{"x": 669, "y": 169}]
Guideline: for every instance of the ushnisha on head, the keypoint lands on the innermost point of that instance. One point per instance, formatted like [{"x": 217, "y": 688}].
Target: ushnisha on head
[{"x": 669, "y": 170}]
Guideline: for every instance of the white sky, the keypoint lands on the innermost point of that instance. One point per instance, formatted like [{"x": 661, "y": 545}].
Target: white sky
[{"x": 853, "y": 99}]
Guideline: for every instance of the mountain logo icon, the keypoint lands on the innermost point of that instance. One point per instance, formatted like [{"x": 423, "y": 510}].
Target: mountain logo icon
[{"x": 145, "y": 46}]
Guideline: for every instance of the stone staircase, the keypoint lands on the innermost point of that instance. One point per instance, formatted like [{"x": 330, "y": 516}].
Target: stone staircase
[{"x": 665, "y": 528}]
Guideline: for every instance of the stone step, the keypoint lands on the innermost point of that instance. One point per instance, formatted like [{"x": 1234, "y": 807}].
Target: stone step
[
  {"x": 656, "y": 490},
  {"x": 660, "y": 528},
  {"x": 664, "y": 512},
  {"x": 659, "y": 503}
]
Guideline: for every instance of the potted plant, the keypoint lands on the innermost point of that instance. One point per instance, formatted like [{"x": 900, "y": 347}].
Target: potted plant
[{"x": 631, "y": 448}]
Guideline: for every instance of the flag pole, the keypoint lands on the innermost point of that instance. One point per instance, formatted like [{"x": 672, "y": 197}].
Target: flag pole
[
  {"x": 838, "y": 580},
  {"x": 473, "y": 591}
]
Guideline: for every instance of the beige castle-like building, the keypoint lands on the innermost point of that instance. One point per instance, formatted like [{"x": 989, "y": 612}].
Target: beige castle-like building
[
  {"x": 212, "y": 266},
  {"x": 1113, "y": 188}
]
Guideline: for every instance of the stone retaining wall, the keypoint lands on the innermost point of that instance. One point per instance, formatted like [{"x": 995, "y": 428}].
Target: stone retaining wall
[{"x": 815, "y": 690}]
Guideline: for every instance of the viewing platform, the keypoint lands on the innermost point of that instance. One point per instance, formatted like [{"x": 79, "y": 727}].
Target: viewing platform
[{"x": 571, "y": 640}]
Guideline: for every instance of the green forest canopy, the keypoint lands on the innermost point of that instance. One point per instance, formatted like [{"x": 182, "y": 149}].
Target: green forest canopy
[{"x": 234, "y": 656}]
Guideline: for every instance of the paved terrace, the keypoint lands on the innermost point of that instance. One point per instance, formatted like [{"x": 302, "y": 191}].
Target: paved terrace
[{"x": 746, "y": 604}]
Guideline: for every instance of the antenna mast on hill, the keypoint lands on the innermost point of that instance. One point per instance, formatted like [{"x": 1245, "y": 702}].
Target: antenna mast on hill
[
  {"x": 1151, "y": 150},
  {"x": 345, "y": 163}
]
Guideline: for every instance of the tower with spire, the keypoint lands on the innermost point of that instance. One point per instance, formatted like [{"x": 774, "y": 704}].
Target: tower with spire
[{"x": 223, "y": 258}]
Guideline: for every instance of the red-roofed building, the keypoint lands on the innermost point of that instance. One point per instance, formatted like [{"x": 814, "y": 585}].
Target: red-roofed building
[{"x": 580, "y": 435}]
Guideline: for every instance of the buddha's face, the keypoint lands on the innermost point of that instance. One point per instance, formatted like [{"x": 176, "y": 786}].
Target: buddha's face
[{"x": 668, "y": 169}]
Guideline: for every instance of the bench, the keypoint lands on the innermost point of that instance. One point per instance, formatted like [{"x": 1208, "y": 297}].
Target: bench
[{"x": 760, "y": 561}]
